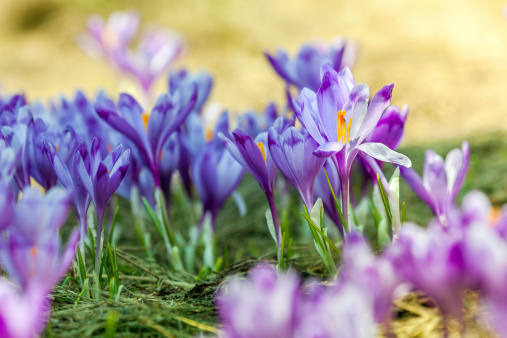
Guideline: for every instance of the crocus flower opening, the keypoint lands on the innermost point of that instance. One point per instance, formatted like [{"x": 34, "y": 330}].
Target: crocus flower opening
[
  {"x": 32, "y": 255},
  {"x": 72, "y": 182},
  {"x": 166, "y": 117},
  {"x": 303, "y": 70},
  {"x": 252, "y": 155},
  {"x": 441, "y": 180},
  {"x": 262, "y": 306},
  {"x": 339, "y": 117},
  {"x": 156, "y": 50},
  {"x": 292, "y": 153},
  {"x": 22, "y": 314},
  {"x": 101, "y": 179}
]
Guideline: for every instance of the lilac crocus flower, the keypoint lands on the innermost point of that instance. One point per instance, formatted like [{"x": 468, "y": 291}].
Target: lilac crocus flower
[
  {"x": 292, "y": 153},
  {"x": 21, "y": 314},
  {"x": 340, "y": 117},
  {"x": 216, "y": 174},
  {"x": 72, "y": 182},
  {"x": 157, "y": 49},
  {"x": 433, "y": 260},
  {"x": 303, "y": 70},
  {"x": 65, "y": 140},
  {"x": 262, "y": 306},
  {"x": 17, "y": 137},
  {"x": 254, "y": 123},
  {"x": 32, "y": 255},
  {"x": 441, "y": 180},
  {"x": 183, "y": 81},
  {"x": 101, "y": 179},
  {"x": 376, "y": 276},
  {"x": 148, "y": 133},
  {"x": 254, "y": 156}
]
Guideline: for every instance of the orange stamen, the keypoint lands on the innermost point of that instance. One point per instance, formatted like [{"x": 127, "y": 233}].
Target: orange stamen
[
  {"x": 33, "y": 251},
  {"x": 109, "y": 148},
  {"x": 209, "y": 135},
  {"x": 261, "y": 148},
  {"x": 494, "y": 215},
  {"x": 56, "y": 148},
  {"x": 146, "y": 117}
]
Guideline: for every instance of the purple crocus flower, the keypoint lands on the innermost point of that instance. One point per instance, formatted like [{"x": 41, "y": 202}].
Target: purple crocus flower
[
  {"x": 111, "y": 37},
  {"x": 72, "y": 182},
  {"x": 254, "y": 156},
  {"x": 376, "y": 276},
  {"x": 17, "y": 137},
  {"x": 101, "y": 179},
  {"x": 148, "y": 133},
  {"x": 216, "y": 174},
  {"x": 292, "y": 153},
  {"x": 22, "y": 314},
  {"x": 31, "y": 255},
  {"x": 303, "y": 70},
  {"x": 262, "y": 306},
  {"x": 340, "y": 117},
  {"x": 254, "y": 123},
  {"x": 441, "y": 180},
  {"x": 156, "y": 50},
  {"x": 66, "y": 141},
  {"x": 183, "y": 81},
  {"x": 433, "y": 260}
]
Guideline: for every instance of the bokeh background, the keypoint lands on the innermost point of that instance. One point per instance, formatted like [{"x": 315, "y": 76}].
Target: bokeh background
[{"x": 447, "y": 59}]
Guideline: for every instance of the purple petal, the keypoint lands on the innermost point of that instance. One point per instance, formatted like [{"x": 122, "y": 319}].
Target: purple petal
[{"x": 328, "y": 149}]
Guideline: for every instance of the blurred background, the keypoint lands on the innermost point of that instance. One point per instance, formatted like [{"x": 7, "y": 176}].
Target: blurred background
[{"x": 447, "y": 59}]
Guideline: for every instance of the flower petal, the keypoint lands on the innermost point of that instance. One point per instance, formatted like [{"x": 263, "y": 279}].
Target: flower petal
[
  {"x": 383, "y": 153},
  {"x": 328, "y": 149}
]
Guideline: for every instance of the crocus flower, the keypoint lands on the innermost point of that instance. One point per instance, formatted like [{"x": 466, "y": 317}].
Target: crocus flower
[
  {"x": 376, "y": 276},
  {"x": 433, "y": 260},
  {"x": 183, "y": 81},
  {"x": 148, "y": 133},
  {"x": 441, "y": 180},
  {"x": 21, "y": 314},
  {"x": 32, "y": 255},
  {"x": 262, "y": 306},
  {"x": 254, "y": 123},
  {"x": 111, "y": 37},
  {"x": 292, "y": 153},
  {"x": 156, "y": 50},
  {"x": 340, "y": 117},
  {"x": 216, "y": 174},
  {"x": 101, "y": 179},
  {"x": 304, "y": 70},
  {"x": 335, "y": 311},
  {"x": 72, "y": 182},
  {"x": 322, "y": 191},
  {"x": 254, "y": 156},
  {"x": 17, "y": 137},
  {"x": 66, "y": 140}
]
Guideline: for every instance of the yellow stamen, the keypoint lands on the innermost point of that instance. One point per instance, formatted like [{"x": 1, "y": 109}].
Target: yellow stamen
[
  {"x": 261, "y": 148},
  {"x": 342, "y": 132},
  {"x": 161, "y": 155},
  {"x": 33, "y": 251},
  {"x": 209, "y": 135},
  {"x": 146, "y": 117},
  {"x": 109, "y": 148},
  {"x": 109, "y": 171},
  {"x": 494, "y": 215},
  {"x": 56, "y": 148}
]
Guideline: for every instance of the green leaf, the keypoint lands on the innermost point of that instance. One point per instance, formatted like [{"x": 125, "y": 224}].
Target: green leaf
[
  {"x": 403, "y": 213},
  {"x": 115, "y": 217},
  {"x": 271, "y": 225}
]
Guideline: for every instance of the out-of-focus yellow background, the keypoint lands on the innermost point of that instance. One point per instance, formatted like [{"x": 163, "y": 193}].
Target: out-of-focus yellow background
[{"x": 447, "y": 59}]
